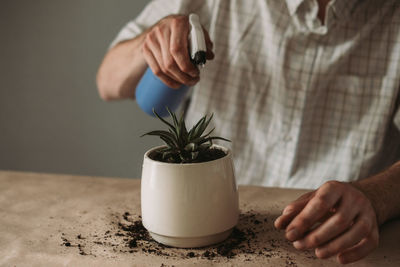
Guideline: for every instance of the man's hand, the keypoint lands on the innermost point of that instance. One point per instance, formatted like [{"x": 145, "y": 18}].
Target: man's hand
[
  {"x": 336, "y": 219},
  {"x": 163, "y": 47},
  {"x": 165, "y": 50}
]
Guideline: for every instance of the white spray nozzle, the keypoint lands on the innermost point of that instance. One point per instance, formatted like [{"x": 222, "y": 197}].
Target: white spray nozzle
[{"x": 197, "y": 41}]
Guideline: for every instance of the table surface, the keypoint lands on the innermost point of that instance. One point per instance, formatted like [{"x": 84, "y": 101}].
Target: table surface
[{"x": 52, "y": 220}]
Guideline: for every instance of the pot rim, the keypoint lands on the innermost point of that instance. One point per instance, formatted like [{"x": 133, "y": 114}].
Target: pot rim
[{"x": 146, "y": 157}]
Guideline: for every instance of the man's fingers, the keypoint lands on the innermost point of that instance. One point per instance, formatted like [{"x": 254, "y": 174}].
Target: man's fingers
[
  {"x": 288, "y": 214},
  {"x": 360, "y": 250},
  {"x": 292, "y": 210},
  {"x": 156, "y": 69},
  {"x": 337, "y": 223},
  {"x": 152, "y": 45},
  {"x": 323, "y": 201},
  {"x": 170, "y": 67},
  {"x": 360, "y": 230},
  {"x": 166, "y": 52},
  {"x": 179, "y": 46},
  {"x": 346, "y": 217},
  {"x": 209, "y": 54}
]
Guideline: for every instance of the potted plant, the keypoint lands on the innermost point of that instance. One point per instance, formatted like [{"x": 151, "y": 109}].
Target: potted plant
[{"x": 189, "y": 195}]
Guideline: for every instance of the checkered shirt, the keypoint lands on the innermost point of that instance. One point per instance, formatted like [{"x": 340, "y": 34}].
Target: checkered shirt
[{"x": 303, "y": 101}]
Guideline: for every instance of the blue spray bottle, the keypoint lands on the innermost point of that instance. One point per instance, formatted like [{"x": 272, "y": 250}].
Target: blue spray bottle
[{"x": 151, "y": 92}]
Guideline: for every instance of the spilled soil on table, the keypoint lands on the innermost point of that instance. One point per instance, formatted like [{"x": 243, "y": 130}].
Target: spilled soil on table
[{"x": 254, "y": 237}]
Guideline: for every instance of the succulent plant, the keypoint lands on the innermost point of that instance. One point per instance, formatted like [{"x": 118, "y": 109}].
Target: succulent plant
[{"x": 183, "y": 146}]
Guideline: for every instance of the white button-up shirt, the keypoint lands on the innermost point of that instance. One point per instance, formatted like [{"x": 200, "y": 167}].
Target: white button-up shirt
[{"x": 303, "y": 101}]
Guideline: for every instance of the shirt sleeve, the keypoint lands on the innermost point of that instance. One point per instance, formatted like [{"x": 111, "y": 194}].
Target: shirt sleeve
[{"x": 153, "y": 12}]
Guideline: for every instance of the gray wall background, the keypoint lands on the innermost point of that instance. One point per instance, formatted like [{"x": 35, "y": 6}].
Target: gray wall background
[{"x": 51, "y": 117}]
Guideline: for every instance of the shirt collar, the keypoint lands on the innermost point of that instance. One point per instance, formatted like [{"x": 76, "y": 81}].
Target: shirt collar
[{"x": 341, "y": 8}]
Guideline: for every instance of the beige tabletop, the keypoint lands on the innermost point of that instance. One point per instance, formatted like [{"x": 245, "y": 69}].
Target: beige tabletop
[{"x": 53, "y": 220}]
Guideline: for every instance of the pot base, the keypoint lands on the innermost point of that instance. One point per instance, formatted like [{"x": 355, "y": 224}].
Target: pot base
[{"x": 191, "y": 242}]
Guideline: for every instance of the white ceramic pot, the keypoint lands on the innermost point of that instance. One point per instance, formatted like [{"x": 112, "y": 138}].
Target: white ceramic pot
[{"x": 189, "y": 205}]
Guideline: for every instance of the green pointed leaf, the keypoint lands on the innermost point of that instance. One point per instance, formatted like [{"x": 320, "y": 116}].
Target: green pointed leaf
[
  {"x": 205, "y": 125},
  {"x": 209, "y": 119},
  {"x": 197, "y": 125},
  {"x": 184, "y": 133},
  {"x": 164, "y": 135},
  {"x": 207, "y": 134},
  {"x": 205, "y": 146},
  {"x": 190, "y": 135},
  {"x": 173, "y": 116},
  {"x": 197, "y": 140},
  {"x": 213, "y": 138},
  {"x": 173, "y": 132},
  {"x": 197, "y": 129},
  {"x": 181, "y": 130},
  {"x": 191, "y": 147},
  {"x": 160, "y": 133},
  {"x": 168, "y": 142},
  {"x": 164, "y": 121}
]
